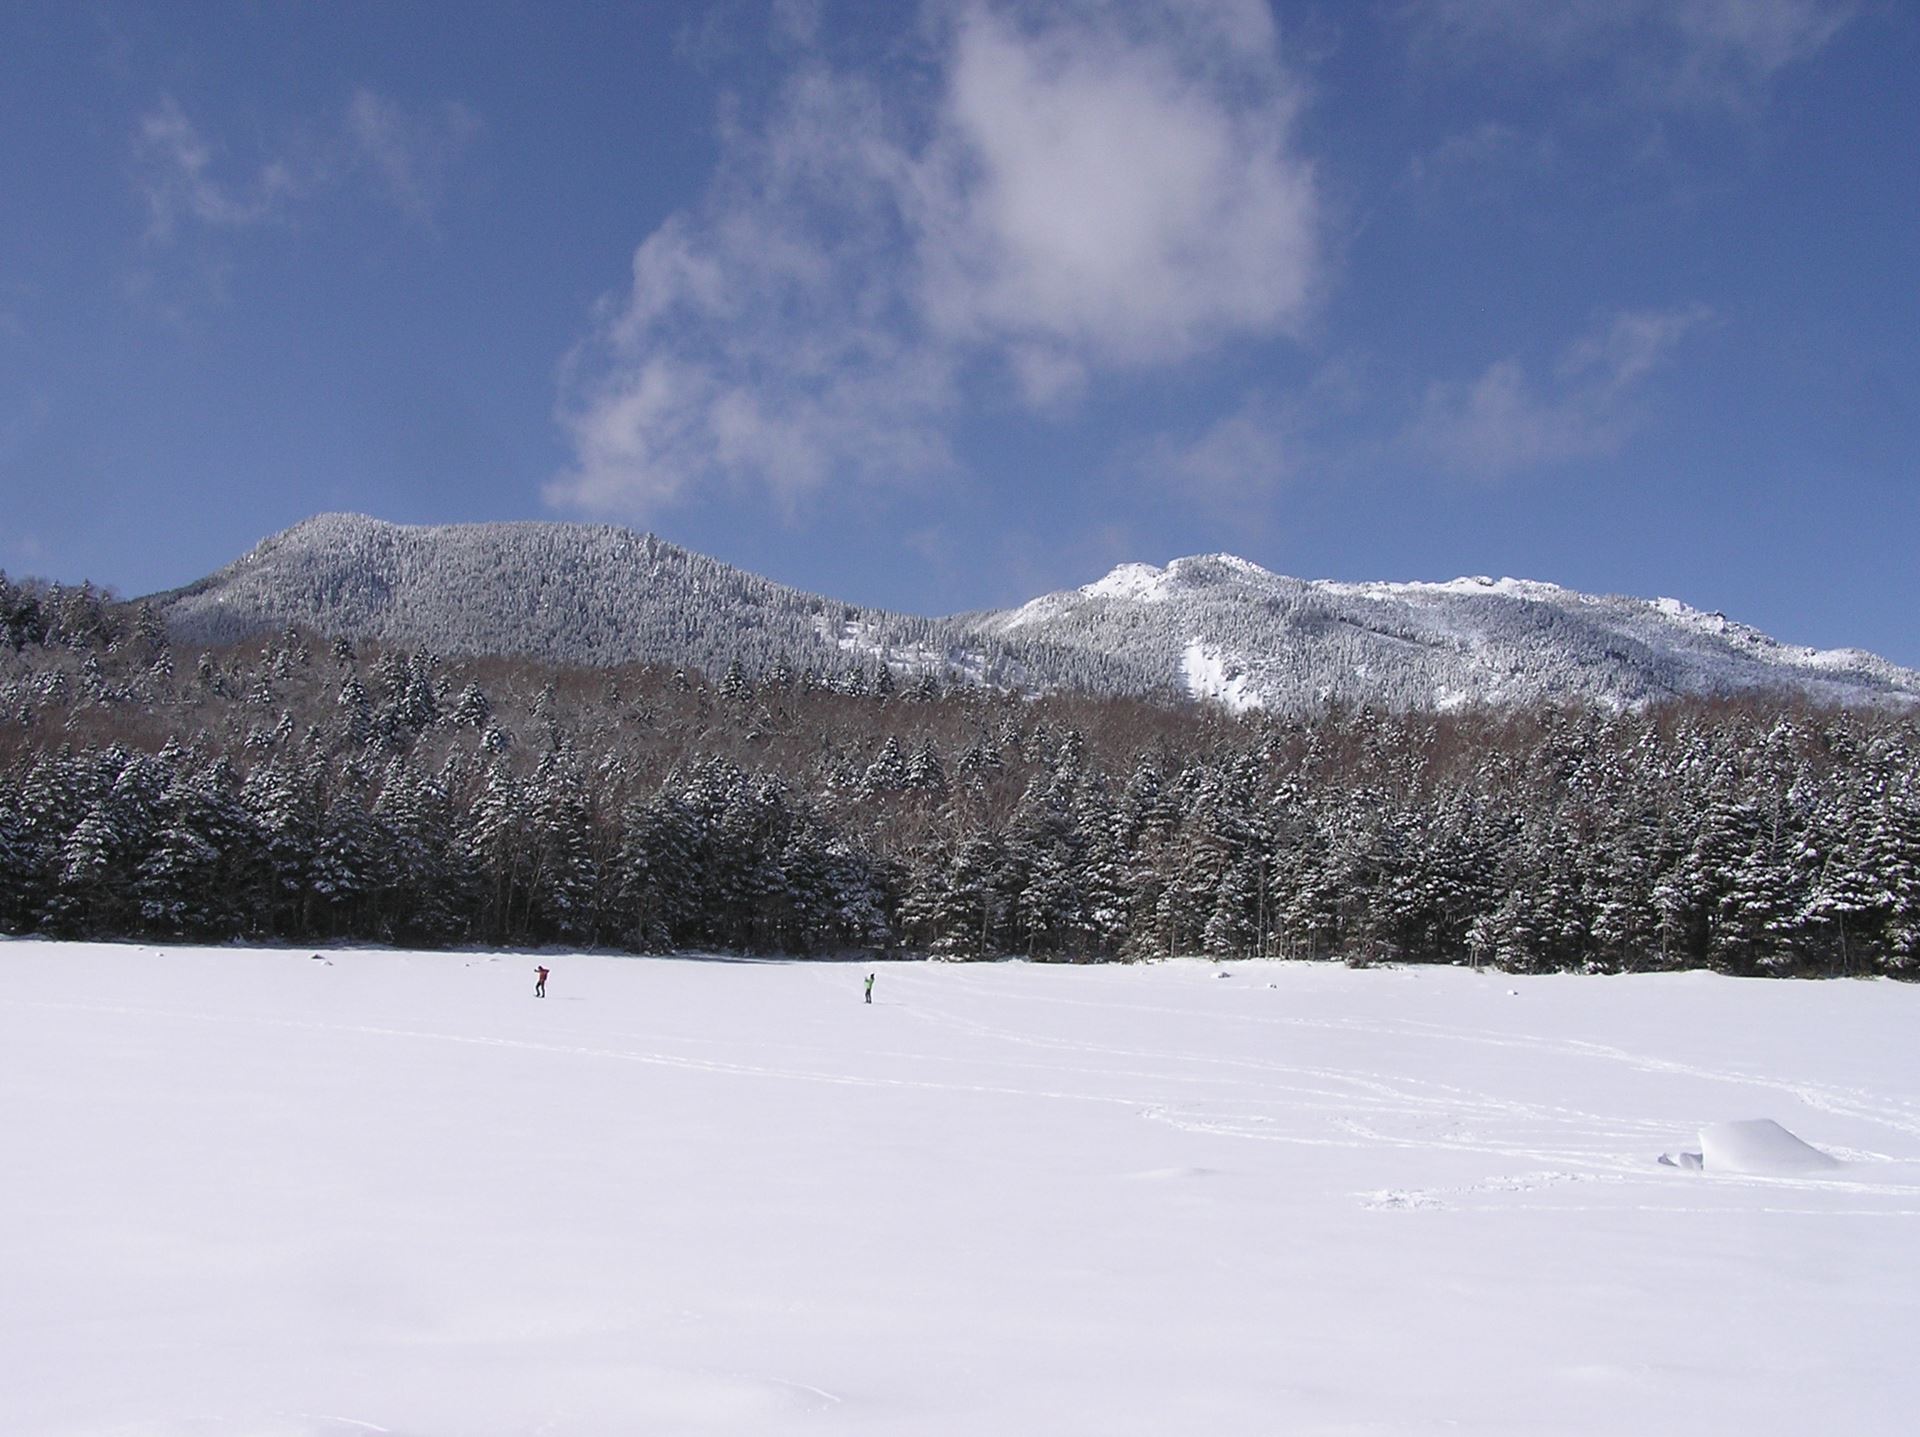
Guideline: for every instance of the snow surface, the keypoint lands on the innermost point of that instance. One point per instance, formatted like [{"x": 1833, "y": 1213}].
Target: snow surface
[
  {"x": 1129, "y": 581},
  {"x": 1210, "y": 675},
  {"x": 1535, "y": 590},
  {"x": 1759, "y": 1146},
  {"x": 254, "y": 1193},
  {"x": 1294, "y": 643}
]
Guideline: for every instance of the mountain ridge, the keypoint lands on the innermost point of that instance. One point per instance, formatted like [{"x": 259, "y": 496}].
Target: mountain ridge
[{"x": 1212, "y": 627}]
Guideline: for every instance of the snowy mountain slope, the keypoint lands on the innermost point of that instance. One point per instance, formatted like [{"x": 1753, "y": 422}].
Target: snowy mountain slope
[
  {"x": 1232, "y": 631},
  {"x": 588, "y": 594},
  {"x": 1213, "y": 627}
]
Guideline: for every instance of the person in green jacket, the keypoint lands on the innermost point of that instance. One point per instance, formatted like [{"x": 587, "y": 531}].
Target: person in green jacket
[{"x": 869, "y": 987}]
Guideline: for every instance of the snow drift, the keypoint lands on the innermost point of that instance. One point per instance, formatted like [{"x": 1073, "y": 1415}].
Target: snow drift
[{"x": 1759, "y": 1147}]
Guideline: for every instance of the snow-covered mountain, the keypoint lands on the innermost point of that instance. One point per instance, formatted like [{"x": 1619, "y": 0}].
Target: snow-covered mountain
[
  {"x": 1213, "y": 627},
  {"x": 592, "y": 594},
  {"x": 1234, "y": 632}
]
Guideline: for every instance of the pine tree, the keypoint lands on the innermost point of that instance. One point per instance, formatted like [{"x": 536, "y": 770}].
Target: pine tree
[
  {"x": 1844, "y": 897},
  {"x": 87, "y": 871},
  {"x": 183, "y": 886},
  {"x": 888, "y": 771},
  {"x": 174, "y": 882},
  {"x": 356, "y": 711},
  {"x": 1755, "y": 903},
  {"x": 471, "y": 709},
  {"x": 565, "y": 879},
  {"x": 285, "y": 806},
  {"x": 345, "y": 872},
  {"x": 968, "y": 919},
  {"x": 1619, "y": 894},
  {"x": 493, "y": 846},
  {"x": 421, "y": 891},
  {"x": 1106, "y": 890},
  {"x": 924, "y": 772},
  {"x": 658, "y": 886},
  {"x": 16, "y": 855}
]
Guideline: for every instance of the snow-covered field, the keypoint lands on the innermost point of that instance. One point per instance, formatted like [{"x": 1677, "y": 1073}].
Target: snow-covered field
[{"x": 251, "y": 1193}]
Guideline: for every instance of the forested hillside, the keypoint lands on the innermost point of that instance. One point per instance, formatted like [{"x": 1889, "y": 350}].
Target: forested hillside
[
  {"x": 591, "y": 594},
  {"x": 1219, "y": 627},
  {"x": 1212, "y": 627},
  {"x": 293, "y": 788}
]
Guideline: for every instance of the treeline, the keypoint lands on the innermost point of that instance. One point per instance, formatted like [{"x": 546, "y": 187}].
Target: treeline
[{"x": 305, "y": 790}]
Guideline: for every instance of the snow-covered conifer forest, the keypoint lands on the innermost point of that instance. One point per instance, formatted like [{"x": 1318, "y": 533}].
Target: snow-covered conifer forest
[
  {"x": 1212, "y": 626},
  {"x": 293, "y": 788}
]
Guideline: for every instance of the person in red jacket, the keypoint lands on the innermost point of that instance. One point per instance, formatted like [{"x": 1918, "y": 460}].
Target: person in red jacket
[{"x": 539, "y": 982}]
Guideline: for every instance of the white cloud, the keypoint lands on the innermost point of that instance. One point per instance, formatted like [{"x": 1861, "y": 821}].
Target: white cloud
[
  {"x": 1238, "y": 463},
  {"x": 761, "y": 341},
  {"x": 1505, "y": 422},
  {"x": 412, "y": 154},
  {"x": 1485, "y": 149},
  {"x": 1102, "y": 196},
  {"x": 176, "y": 173},
  {"x": 1104, "y": 187},
  {"x": 1729, "y": 41},
  {"x": 1661, "y": 52},
  {"x": 1618, "y": 357},
  {"x": 1500, "y": 423},
  {"x": 185, "y": 179},
  {"x": 1244, "y": 455}
]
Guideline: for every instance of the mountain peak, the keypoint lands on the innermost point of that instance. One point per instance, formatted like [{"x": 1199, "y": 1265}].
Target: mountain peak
[
  {"x": 1147, "y": 583},
  {"x": 1210, "y": 626}
]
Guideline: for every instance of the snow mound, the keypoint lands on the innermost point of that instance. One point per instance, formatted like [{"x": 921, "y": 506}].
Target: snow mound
[{"x": 1759, "y": 1147}]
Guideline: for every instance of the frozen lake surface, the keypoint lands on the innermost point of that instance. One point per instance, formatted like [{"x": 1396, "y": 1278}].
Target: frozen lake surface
[{"x": 251, "y": 1194}]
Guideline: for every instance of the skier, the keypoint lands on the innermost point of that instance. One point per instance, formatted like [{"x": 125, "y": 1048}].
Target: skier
[
  {"x": 869, "y": 987},
  {"x": 539, "y": 982}
]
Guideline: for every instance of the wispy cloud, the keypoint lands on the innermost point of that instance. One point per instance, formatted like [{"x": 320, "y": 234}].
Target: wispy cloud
[
  {"x": 1719, "y": 53},
  {"x": 189, "y": 183},
  {"x": 178, "y": 176},
  {"x": 764, "y": 339},
  {"x": 1245, "y": 454},
  {"x": 1484, "y": 150},
  {"x": 1239, "y": 462},
  {"x": 412, "y": 154},
  {"x": 1507, "y": 421},
  {"x": 1081, "y": 188}
]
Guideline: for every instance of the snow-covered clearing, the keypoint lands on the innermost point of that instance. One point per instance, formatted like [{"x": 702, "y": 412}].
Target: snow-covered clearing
[{"x": 248, "y": 1194}]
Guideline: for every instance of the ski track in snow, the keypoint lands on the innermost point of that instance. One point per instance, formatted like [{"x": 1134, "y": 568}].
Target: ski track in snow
[
  {"x": 655, "y": 1059},
  {"x": 1611, "y": 1148},
  {"x": 1261, "y": 1099},
  {"x": 1899, "y": 1116}
]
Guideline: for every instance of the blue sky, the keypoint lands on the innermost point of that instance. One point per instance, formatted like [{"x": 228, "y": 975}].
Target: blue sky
[{"x": 940, "y": 306}]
